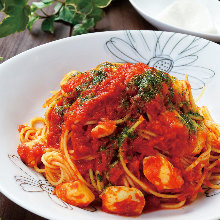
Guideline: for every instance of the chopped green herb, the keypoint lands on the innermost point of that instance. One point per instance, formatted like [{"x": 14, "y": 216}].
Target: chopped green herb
[
  {"x": 190, "y": 124},
  {"x": 150, "y": 84},
  {"x": 132, "y": 135},
  {"x": 126, "y": 133},
  {"x": 113, "y": 164},
  {"x": 81, "y": 88},
  {"x": 125, "y": 103},
  {"x": 106, "y": 65},
  {"x": 123, "y": 136},
  {"x": 195, "y": 116},
  {"x": 184, "y": 103},
  {"x": 171, "y": 92},
  {"x": 99, "y": 177},
  {"x": 99, "y": 76},
  {"x": 103, "y": 148},
  {"x": 61, "y": 109},
  {"x": 87, "y": 98},
  {"x": 132, "y": 119},
  {"x": 75, "y": 74}
]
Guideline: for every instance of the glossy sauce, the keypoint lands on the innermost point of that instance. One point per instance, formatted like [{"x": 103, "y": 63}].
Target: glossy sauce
[{"x": 109, "y": 93}]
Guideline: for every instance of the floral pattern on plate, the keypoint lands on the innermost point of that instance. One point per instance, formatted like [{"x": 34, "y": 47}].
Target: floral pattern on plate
[
  {"x": 31, "y": 181},
  {"x": 166, "y": 52}
]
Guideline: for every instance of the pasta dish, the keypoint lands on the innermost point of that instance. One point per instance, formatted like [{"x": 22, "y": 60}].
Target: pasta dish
[{"x": 126, "y": 135}]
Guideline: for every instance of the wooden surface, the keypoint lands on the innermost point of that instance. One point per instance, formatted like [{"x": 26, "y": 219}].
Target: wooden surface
[{"x": 120, "y": 15}]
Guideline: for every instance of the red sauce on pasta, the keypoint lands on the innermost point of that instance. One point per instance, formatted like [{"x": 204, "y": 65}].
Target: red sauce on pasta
[{"x": 129, "y": 111}]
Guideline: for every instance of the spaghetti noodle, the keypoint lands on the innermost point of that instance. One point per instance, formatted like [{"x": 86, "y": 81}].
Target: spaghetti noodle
[{"x": 124, "y": 133}]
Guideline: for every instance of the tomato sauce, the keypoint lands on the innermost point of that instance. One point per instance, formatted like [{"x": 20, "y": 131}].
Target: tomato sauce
[
  {"x": 109, "y": 93},
  {"x": 121, "y": 88},
  {"x": 31, "y": 156}
]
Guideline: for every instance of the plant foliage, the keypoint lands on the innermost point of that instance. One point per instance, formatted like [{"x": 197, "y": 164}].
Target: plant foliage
[
  {"x": 80, "y": 15},
  {"x": 16, "y": 16}
]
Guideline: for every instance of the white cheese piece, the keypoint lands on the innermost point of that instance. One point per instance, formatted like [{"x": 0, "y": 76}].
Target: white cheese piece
[{"x": 190, "y": 15}]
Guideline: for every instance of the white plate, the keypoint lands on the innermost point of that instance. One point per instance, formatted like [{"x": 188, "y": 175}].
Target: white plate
[
  {"x": 149, "y": 10},
  {"x": 25, "y": 82}
]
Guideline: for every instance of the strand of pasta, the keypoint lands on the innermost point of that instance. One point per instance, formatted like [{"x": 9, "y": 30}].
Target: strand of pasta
[
  {"x": 143, "y": 185},
  {"x": 130, "y": 181},
  {"x": 205, "y": 112},
  {"x": 215, "y": 150},
  {"x": 99, "y": 182},
  {"x": 200, "y": 95},
  {"x": 119, "y": 121},
  {"x": 125, "y": 182},
  {"x": 149, "y": 133},
  {"x": 50, "y": 108},
  {"x": 213, "y": 157},
  {"x": 36, "y": 120},
  {"x": 213, "y": 126},
  {"x": 200, "y": 143},
  {"x": 65, "y": 79},
  {"x": 204, "y": 156},
  {"x": 216, "y": 163},
  {"x": 143, "y": 135},
  {"x": 29, "y": 132},
  {"x": 29, "y": 135},
  {"x": 39, "y": 170},
  {"x": 92, "y": 179},
  {"x": 214, "y": 177},
  {"x": 213, "y": 186},
  {"x": 55, "y": 163},
  {"x": 173, "y": 206},
  {"x": 200, "y": 182},
  {"x": 63, "y": 148},
  {"x": 216, "y": 170},
  {"x": 189, "y": 93},
  {"x": 60, "y": 167}
]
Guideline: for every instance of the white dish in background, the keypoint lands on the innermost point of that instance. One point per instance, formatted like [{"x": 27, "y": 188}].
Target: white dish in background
[
  {"x": 25, "y": 82},
  {"x": 150, "y": 10}
]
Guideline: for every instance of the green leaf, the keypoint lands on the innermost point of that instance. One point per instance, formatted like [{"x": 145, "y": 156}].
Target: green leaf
[
  {"x": 17, "y": 16},
  {"x": 69, "y": 14},
  {"x": 1, "y": 58},
  {"x": 32, "y": 19},
  {"x": 84, "y": 27},
  {"x": 39, "y": 5},
  {"x": 57, "y": 7},
  {"x": 47, "y": 24},
  {"x": 82, "y": 14},
  {"x": 91, "y": 13},
  {"x": 47, "y": 1},
  {"x": 82, "y": 6},
  {"x": 1, "y": 5},
  {"x": 102, "y": 3},
  {"x": 65, "y": 14},
  {"x": 86, "y": 6},
  {"x": 97, "y": 14}
]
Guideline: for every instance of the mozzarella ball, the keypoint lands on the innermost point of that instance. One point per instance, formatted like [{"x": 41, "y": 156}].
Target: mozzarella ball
[
  {"x": 123, "y": 200},
  {"x": 160, "y": 172},
  {"x": 75, "y": 193}
]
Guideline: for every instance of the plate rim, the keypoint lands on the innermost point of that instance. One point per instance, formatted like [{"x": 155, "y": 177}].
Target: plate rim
[{"x": 21, "y": 56}]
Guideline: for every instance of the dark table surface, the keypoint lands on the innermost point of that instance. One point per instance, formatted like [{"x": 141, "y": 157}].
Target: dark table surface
[{"x": 120, "y": 15}]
